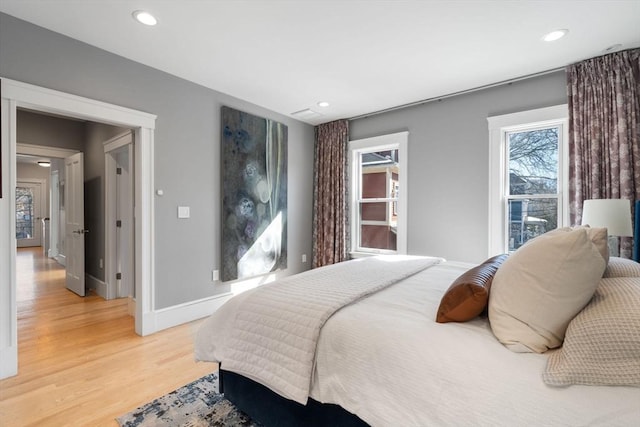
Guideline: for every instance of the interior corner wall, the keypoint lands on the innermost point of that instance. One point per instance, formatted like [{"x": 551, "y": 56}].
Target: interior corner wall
[
  {"x": 186, "y": 151},
  {"x": 449, "y": 161}
]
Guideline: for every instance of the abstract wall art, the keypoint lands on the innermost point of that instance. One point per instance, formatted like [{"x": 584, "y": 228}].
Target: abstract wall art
[{"x": 254, "y": 206}]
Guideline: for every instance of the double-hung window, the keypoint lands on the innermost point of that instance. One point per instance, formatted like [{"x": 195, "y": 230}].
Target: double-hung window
[
  {"x": 378, "y": 205},
  {"x": 528, "y": 170}
]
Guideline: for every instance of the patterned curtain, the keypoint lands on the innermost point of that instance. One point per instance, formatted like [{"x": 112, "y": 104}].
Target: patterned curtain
[
  {"x": 604, "y": 131},
  {"x": 330, "y": 194}
]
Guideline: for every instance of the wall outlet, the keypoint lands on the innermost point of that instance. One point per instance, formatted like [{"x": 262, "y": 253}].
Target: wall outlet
[
  {"x": 215, "y": 275},
  {"x": 101, "y": 263},
  {"x": 304, "y": 258}
]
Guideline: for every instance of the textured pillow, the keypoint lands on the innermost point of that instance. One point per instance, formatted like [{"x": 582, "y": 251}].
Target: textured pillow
[
  {"x": 602, "y": 344},
  {"x": 541, "y": 287},
  {"x": 468, "y": 295},
  {"x": 622, "y": 267}
]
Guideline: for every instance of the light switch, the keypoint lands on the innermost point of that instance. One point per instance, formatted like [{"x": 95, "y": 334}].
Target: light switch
[{"x": 183, "y": 212}]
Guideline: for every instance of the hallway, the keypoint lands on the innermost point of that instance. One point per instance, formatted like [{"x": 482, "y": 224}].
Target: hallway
[{"x": 79, "y": 359}]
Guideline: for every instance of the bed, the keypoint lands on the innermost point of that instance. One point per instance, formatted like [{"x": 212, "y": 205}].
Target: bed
[{"x": 382, "y": 360}]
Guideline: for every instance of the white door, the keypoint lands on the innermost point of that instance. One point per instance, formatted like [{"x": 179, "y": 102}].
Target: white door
[
  {"x": 29, "y": 216},
  {"x": 74, "y": 222},
  {"x": 119, "y": 218},
  {"x": 124, "y": 212}
]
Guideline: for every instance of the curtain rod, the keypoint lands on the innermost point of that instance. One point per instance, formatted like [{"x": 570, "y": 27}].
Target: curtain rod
[{"x": 462, "y": 92}]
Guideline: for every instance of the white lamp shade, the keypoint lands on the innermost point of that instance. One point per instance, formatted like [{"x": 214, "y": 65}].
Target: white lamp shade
[{"x": 615, "y": 214}]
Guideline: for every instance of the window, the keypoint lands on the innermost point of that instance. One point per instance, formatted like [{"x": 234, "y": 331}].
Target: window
[
  {"x": 527, "y": 176},
  {"x": 378, "y": 174},
  {"x": 25, "y": 218}
]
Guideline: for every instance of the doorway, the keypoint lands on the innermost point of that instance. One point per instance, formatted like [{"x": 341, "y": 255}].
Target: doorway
[{"x": 16, "y": 95}]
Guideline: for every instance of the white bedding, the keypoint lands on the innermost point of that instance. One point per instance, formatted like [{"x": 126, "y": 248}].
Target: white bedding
[
  {"x": 385, "y": 359},
  {"x": 273, "y": 341}
]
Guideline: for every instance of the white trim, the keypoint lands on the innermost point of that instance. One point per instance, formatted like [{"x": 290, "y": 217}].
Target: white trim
[
  {"x": 8, "y": 306},
  {"x": 52, "y": 101},
  {"x": 498, "y": 127},
  {"x": 22, "y": 95},
  {"x": 131, "y": 306},
  {"x": 61, "y": 259},
  {"x": 117, "y": 142},
  {"x": 54, "y": 212},
  {"x": 188, "y": 312},
  {"x": 43, "y": 151},
  {"x": 144, "y": 235},
  {"x": 399, "y": 140},
  {"x": 96, "y": 284}
]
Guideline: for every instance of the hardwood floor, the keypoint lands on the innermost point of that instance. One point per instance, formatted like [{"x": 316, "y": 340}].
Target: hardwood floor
[{"x": 80, "y": 362}]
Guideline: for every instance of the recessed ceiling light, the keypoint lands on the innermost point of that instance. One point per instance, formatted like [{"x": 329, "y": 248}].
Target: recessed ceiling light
[
  {"x": 144, "y": 17},
  {"x": 555, "y": 35},
  {"x": 323, "y": 104},
  {"x": 44, "y": 164}
]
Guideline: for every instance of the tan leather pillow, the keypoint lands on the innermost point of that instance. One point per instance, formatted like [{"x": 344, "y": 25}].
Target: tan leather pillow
[{"x": 468, "y": 295}]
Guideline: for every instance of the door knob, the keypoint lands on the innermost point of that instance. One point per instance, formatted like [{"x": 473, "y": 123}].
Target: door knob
[{"x": 80, "y": 231}]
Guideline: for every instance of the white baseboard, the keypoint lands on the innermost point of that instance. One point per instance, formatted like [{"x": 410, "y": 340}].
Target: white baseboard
[
  {"x": 9, "y": 365},
  {"x": 131, "y": 306},
  {"x": 183, "y": 313},
  {"x": 97, "y": 285},
  {"x": 62, "y": 260}
]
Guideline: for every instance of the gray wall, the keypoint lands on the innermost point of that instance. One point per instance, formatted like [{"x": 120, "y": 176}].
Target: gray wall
[
  {"x": 449, "y": 160},
  {"x": 187, "y": 149},
  {"x": 40, "y": 129}
]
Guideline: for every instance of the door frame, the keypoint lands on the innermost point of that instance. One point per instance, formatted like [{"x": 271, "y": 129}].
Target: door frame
[
  {"x": 42, "y": 204},
  {"x": 54, "y": 202},
  {"x": 111, "y": 246},
  {"x": 14, "y": 95}
]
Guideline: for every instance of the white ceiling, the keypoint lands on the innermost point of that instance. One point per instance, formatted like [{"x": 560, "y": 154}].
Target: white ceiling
[{"x": 361, "y": 56}]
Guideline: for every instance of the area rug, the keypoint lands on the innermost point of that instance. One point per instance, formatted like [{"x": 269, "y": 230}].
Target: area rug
[{"x": 197, "y": 404}]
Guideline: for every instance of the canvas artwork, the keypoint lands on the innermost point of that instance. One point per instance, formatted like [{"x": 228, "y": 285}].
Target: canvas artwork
[{"x": 254, "y": 206}]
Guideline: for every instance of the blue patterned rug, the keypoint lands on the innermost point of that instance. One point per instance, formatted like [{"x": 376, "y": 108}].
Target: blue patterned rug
[{"x": 197, "y": 404}]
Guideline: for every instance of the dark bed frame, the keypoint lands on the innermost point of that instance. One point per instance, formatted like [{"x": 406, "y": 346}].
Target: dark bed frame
[{"x": 272, "y": 410}]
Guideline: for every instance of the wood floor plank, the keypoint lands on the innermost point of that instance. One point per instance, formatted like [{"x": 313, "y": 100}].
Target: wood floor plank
[{"x": 80, "y": 361}]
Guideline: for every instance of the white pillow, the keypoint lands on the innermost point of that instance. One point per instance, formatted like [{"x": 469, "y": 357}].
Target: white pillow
[{"x": 541, "y": 287}]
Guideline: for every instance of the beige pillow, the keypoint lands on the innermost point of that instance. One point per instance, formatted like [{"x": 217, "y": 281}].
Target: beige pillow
[
  {"x": 598, "y": 235},
  {"x": 541, "y": 287},
  {"x": 602, "y": 344},
  {"x": 622, "y": 267}
]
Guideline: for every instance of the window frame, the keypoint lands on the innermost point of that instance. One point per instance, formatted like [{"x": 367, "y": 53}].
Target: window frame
[
  {"x": 399, "y": 141},
  {"x": 499, "y": 128}
]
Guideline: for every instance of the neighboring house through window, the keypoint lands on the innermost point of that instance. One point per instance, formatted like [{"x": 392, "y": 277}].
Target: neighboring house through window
[
  {"x": 378, "y": 183},
  {"x": 528, "y": 176}
]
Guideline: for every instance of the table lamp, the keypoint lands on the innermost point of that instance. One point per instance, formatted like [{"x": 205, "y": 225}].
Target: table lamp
[{"x": 614, "y": 214}]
